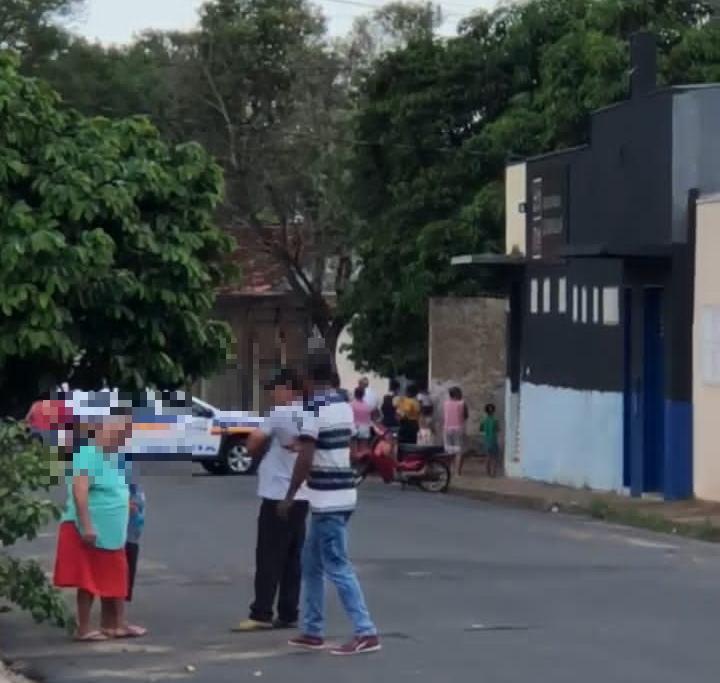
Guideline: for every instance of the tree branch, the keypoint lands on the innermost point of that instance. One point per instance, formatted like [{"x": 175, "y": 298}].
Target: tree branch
[
  {"x": 221, "y": 107},
  {"x": 321, "y": 313}
]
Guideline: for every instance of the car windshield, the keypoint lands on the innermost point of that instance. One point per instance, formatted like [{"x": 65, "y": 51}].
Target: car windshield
[{"x": 200, "y": 409}]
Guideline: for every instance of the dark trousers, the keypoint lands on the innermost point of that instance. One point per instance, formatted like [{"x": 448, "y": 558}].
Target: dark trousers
[
  {"x": 132, "y": 550},
  {"x": 277, "y": 561}
]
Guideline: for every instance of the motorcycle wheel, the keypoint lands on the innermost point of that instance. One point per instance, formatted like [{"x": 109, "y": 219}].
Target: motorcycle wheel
[
  {"x": 361, "y": 470},
  {"x": 437, "y": 477}
]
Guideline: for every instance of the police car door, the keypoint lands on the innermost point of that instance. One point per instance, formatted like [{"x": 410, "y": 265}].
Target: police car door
[{"x": 202, "y": 440}]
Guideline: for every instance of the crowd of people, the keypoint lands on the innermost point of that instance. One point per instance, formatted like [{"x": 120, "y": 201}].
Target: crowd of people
[
  {"x": 305, "y": 449},
  {"x": 305, "y": 470},
  {"x": 411, "y": 415}
]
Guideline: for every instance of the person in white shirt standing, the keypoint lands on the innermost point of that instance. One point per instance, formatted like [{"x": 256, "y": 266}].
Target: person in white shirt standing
[
  {"x": 323, "y": 461},
  {"x": 281, "y": 533},
  {"x": 369, "y": 395}
]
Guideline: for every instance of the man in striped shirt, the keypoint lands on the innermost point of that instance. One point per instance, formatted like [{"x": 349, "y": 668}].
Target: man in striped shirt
[{"x": 326, "y": 432}]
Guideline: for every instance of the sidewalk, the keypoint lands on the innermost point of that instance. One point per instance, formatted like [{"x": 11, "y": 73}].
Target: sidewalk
[
  {"x": 688, "y": 517},
  {"x": 7, "y": 676}
]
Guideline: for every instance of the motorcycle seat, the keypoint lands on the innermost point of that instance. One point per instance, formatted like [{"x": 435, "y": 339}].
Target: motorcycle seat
[{"x": 414, "y": 449}]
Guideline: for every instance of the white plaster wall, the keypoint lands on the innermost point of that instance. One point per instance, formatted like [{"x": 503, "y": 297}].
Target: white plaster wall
[
  {"x": 515, "y": 195},
  {"x": 572, "y": 437},
  {"x": 511, "y": 435},
  {"x": 706, "y": 397},
  {"x": 349, "y": 376}
]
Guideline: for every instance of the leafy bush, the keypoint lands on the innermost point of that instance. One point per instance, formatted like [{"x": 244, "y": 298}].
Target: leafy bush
[{"x": 27, "y": 472}]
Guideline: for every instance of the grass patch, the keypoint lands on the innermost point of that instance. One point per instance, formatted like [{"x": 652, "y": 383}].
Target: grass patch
[
  {"x": 624, "y": 514},
  {"x": 629, "y": 516}
]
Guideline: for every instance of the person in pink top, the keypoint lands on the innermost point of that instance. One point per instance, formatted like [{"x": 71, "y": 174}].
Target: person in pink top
[
  {"x": 455, "y": 415},
  {"x": 362, "y": 415}
]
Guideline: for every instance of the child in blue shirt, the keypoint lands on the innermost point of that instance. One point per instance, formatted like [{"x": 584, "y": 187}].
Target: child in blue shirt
[{"x": 136, "y": 522}]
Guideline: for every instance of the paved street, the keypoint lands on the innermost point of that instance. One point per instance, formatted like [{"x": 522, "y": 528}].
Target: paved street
[{"x": 462, "y": 592}]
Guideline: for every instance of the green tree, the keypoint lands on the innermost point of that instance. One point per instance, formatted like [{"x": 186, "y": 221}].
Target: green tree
[
  {"x": 115, "y": 82},
  {"x": 109, "y": 252},
  {"x": 439, "y": 119},
  {"x": 696, "y": 58},
  {"x": 413, "y": 176},
  {"x": 259, "y": 88},
  {"x": 388, "y": 28},
  {"x": 31, "y": 28},
  {"x": 26, "y": 475}
]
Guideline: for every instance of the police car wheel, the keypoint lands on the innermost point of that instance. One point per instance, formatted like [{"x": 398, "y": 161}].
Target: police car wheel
[{"x": 235, "y": 459}]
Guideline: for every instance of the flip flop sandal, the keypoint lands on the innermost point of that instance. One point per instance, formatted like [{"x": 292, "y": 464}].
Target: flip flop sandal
[
  {"x": 91, "y": 637},
  {"x": 130, "y": 632}
]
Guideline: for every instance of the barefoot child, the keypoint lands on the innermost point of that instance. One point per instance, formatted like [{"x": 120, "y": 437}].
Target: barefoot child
[{"x": 490, "y": 429}]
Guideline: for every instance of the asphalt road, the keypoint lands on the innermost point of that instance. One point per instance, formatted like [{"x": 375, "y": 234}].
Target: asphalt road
[{"x": 461, "y": 591}]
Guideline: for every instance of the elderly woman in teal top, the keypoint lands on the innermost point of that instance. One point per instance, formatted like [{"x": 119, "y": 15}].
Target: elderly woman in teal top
[{"x": 91, "y": 541}]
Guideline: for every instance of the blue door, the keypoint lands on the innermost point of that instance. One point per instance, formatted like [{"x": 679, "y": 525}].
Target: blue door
[
  {"x": 653, "y": 391},
  {"x": 644, "y": 424},
  {"x": 631, "y": 399}
]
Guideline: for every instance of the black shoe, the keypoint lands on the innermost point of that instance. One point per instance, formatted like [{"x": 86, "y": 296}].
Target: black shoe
[{"x": 282, "y": 624}]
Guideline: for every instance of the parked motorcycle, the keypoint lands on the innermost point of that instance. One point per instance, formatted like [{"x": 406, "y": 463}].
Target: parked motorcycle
[{"x": 427, "y": 467}]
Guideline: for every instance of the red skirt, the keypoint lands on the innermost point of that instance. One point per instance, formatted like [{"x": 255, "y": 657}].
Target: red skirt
[{"x": 104, "y": 573}]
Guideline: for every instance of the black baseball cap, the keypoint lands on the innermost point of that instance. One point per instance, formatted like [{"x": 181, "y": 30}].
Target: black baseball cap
[{"x": 285, "y": 377}]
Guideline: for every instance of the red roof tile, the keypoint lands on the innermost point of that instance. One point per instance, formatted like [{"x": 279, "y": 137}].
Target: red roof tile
[{"x": 260, "y": 271}]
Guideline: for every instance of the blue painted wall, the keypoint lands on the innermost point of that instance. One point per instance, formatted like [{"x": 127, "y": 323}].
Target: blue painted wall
[
  {"x": 678, "y": 450},
  {"x": 572, "y": 437}
]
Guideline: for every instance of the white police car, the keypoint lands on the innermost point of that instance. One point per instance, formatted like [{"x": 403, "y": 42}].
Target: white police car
[
  {"x": 212, "y": 437},
  {"x": 176, "y": 426}
]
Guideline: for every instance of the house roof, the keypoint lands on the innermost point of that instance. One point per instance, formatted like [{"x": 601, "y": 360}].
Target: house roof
[{"x": 261, "y": 274}]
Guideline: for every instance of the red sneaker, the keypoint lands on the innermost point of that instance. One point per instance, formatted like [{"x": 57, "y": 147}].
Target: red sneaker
[
  {"x": 360, "y": 645},
  {"x": 307, "y": 642}
]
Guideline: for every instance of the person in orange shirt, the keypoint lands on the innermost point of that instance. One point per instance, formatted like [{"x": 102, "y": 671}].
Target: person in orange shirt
[{"x": 408, "y": 409}]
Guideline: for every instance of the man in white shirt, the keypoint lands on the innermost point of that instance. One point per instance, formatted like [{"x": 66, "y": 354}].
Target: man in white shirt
[
  {"x": 280, "y": 536},
  {"x": 369, "y": 397}
]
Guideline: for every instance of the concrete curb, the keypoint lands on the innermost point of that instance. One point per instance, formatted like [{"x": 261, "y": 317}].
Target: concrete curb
[
  {"x": 529, "y": 502},
  {"x": 600, "y": 508}
]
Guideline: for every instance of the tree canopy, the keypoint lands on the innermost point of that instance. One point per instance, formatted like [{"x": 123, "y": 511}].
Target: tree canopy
[
  {"x": 109, "y": 250},
  {"x": 258, "y": 85}
]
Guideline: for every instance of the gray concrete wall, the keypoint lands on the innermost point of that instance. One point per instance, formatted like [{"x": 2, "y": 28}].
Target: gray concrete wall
[
  {"x": 696, "y": 151},
  {"x": 468, "y": 349}
]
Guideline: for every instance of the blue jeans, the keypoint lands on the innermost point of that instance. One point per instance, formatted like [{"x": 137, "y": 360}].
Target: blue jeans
[{"x": 325, "y": 554}]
